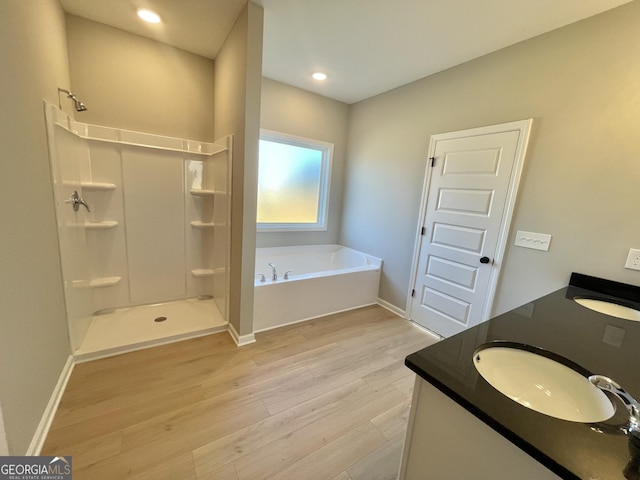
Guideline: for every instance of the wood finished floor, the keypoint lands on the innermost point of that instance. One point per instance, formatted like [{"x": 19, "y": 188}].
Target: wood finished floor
[{"x": 324, "y": 399}]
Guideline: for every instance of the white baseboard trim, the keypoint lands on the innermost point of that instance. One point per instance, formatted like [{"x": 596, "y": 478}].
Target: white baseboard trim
[
  {"x": 4, "y": 445},
  {"x": 435, "y": 336},
  {"x": 49, "y": 412},
  {"x": 241, "y": 340},
  {"x": 403, "y": 313},
  {"x": 392, "y": 308}
]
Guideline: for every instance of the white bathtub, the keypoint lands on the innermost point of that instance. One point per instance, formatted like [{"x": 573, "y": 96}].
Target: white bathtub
[{"x": 325, "y": 279}]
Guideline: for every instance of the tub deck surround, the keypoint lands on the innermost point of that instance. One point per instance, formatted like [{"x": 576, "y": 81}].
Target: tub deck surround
[
  {"x": 599, "y": 343},
  {"x": 323, "y": 279}
]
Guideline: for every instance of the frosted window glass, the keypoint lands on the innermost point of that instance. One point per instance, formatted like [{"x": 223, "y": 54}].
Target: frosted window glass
[{"x": 289, "y": 183}]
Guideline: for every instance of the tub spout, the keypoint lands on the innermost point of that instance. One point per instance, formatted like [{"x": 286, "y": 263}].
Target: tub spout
[{"x": 274, "y": 274}]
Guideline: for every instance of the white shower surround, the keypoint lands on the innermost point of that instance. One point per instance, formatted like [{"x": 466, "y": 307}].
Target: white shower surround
[
  {"x": 158, "y": 229},
  {"x": 325, "y": 279}
]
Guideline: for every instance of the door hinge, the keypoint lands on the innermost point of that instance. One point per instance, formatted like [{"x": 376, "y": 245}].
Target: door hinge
[
  {"x": 423, "y": 231},
  {"x": 413, "y": 292},
  {"x": 433, "y": 161}
]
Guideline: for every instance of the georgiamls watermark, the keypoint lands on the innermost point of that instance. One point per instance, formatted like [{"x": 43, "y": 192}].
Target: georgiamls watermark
[{"x": 35, "y": 468}]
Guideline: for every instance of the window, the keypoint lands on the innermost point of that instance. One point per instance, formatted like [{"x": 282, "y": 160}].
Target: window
[{"x": 293, "y": 183}]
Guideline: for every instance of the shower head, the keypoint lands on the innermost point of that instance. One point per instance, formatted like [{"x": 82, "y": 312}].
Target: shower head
[{"x": 77, "y": 104}]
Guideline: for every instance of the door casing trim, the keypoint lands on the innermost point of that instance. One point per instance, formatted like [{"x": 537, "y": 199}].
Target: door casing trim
[{"x": 524, "y": 129}]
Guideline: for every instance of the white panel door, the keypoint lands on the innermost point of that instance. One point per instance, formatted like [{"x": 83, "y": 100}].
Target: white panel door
[{"x": 471, "y": 181}]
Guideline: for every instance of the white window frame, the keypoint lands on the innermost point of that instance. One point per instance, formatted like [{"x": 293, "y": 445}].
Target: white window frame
[{"x": 325, "y": 182}]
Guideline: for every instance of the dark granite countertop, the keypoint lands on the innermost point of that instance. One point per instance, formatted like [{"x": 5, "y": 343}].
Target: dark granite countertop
[{"x": 599, "y": 343}]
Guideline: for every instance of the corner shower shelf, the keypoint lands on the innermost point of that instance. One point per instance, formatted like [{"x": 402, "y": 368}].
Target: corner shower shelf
[
  {"x": 104, "y": 282},
  {"x": 199, "y": 192},
  {"x": 202, "y": 272},
  {"x": 100, "y": 225},
  {"x": 97, "y": 186},
  {"x": 199, "y": 224}
]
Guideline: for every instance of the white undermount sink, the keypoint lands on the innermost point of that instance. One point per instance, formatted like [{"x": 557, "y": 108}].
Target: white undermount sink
[
  {"x": 542, "y": 384},
  {"x": 609, "y": 308}
]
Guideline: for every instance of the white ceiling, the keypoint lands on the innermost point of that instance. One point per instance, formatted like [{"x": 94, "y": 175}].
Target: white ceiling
[{"x": 366, "y": 47}]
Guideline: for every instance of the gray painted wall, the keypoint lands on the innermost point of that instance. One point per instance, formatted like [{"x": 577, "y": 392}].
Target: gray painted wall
[
  {"x": 293, "y": 111},
  {"x": 34, "y": 343},
  {"x": 157, "y": 89},
  {"x": 237, "y": 112},
  {"x": 581, "y": 177}
]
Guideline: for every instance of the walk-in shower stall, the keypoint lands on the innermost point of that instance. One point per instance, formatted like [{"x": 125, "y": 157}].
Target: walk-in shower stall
[{"x": 143, "y": 222}]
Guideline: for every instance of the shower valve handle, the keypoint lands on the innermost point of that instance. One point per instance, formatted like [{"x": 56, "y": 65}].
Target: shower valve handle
[{"x": 76, "y": 201}]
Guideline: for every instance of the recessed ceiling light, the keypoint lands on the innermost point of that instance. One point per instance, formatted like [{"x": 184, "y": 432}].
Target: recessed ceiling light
[
  {"x": 148, "y": 15},
  {"x": 319, "y": 76}
]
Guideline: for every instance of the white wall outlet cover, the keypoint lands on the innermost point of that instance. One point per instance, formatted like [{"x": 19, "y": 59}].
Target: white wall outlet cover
[
  {"x": 537, "y": 241},
  {"x": 633, "y": 259}
]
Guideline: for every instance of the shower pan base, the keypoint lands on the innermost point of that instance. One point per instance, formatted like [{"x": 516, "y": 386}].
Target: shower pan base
[{"x": 134, "y": 328}]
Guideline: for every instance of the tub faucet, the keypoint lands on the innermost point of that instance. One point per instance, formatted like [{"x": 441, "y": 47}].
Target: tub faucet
[{"x": 274, "y": 275}]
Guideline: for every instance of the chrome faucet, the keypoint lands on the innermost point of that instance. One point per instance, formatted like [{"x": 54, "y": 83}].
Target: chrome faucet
[
  {"x": 633, "y": 407},
  {"x": 76, "y": 201},
  {"x": 274, "y": 274}
]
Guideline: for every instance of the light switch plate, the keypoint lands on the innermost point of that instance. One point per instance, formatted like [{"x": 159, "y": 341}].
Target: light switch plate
[
  {"x": 633, "y": 260},
  {"x": 537, "y": 241}
]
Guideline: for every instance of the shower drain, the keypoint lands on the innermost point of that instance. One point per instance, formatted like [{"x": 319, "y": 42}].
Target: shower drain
[{"x": 159, "y": 319}]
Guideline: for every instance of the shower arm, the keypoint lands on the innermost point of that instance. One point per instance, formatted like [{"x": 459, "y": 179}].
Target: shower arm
[{"x": 77, "y": 104}]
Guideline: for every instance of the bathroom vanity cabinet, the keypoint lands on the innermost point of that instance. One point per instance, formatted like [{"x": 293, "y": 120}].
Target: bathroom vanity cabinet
[
  {"x": 461, "y": 427},
  {"x": 446, "y": 442}
]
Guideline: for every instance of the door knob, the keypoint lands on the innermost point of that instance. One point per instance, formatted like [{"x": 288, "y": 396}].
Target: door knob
[
  {"x": 485, "y": 260},
  {"x": 76, "y": 201}
]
